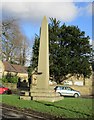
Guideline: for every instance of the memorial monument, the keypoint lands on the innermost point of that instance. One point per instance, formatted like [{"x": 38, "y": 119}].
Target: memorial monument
[
  {"x": 43, "y": 61},
  {"x": 42, "y": 91}
]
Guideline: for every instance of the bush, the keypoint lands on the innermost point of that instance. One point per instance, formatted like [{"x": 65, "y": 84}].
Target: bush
[
  {"x": 14, "y": 79},
  {"x": 3, "y": 79},
  {"x": 10, "y": 78}
]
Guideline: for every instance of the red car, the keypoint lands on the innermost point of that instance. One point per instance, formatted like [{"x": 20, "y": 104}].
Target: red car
[{"x": 4, "y": 90}]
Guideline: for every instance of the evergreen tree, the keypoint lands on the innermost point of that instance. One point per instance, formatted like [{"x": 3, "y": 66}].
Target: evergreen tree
[
  {"x": 35, "y": 53},
  {"x": 77, "y": 51},
  {"x": 69, "y": 51},
  {"x": 54, "y": 31}
]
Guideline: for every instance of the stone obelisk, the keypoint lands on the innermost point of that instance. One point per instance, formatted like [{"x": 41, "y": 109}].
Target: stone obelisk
[
  {"x": 42, "y": 91},
  {"x": 43, "y": 61}
]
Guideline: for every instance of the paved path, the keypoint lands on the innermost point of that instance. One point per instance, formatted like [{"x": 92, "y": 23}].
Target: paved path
[{"x": 12, "y": 114}]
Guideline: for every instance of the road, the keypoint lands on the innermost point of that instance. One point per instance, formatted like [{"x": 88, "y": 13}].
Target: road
[{"x": 12, "y": 114}]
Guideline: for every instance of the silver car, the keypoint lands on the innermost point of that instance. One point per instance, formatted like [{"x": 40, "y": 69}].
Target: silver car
[{"x": 67, "y": 91}]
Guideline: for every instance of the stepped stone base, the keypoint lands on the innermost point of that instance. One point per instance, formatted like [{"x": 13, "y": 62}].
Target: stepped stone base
[
  {"x": 49, "y": 99},
  {"x": 41, "y": 95},
  {"x": 25, "y": 97},
  {"x": 45, "y": 95}
]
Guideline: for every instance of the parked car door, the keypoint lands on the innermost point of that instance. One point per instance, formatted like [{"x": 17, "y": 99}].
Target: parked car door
[
  {"x": 66, "y": 91},
  {"x": 69, "y": 91},
  {"x": 63, "y": 91}
]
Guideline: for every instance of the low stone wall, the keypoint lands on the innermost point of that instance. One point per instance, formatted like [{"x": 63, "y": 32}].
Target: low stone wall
[
  {"x": 84, "y": 90},
  {"x": 11, "y": 86}
]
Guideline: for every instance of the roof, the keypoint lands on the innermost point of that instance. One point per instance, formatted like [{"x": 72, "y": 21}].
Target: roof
[
  {"x": 8, "y": 67},
  {"x": 19, "y": 68},
  {"x": 14, "y": 68}
]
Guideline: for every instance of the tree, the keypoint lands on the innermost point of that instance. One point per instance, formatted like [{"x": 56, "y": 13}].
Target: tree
[
  {"x": 54, "y": 31},
  {"x": 14, "y": 43},
  {"x": 35, "y": 52},
  {"x": 69, "y": 51},
  {"x": 23, "y": 54},
  {"x": 77, "y": 50}
]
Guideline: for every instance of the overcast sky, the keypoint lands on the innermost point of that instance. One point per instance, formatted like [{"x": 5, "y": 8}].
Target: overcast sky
[{"x": 30, "y": 13}]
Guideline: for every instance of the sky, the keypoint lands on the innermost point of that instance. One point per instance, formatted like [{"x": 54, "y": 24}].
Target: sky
[{"x": 29, "y": 14}]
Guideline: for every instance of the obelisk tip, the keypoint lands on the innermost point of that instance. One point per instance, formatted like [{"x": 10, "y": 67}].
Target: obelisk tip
[{"x": 44, "y": 18}]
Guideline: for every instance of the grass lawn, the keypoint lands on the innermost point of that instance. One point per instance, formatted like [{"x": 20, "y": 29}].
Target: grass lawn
[{"x": 68, "y": 108}]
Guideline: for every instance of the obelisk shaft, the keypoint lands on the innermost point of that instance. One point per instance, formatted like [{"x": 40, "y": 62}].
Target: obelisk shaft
[{"x": 43, "y": 61}]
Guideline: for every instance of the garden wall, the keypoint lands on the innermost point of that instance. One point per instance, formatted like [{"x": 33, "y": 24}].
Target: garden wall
[
  {"x": 12, "y": 86},
  {"x": 84, "y": 90}
]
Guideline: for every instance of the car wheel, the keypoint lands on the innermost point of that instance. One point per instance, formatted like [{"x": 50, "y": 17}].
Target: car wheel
[
  {"x": 5, "y": 92},
  {"x": 76, "y": 95}
]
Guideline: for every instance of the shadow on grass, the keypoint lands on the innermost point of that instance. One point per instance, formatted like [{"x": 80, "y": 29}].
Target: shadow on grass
[{"x": 67, "y": 109}]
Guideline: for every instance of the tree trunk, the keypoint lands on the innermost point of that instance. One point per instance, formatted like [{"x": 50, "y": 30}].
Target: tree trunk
[{"x": 84, "y": 81}]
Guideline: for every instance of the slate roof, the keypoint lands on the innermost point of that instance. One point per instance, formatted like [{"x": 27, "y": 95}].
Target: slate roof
[
  {"x": 8, "y": 67},
  {"x": 14, "y": 68},
  {"x": 19, "y": 68}
]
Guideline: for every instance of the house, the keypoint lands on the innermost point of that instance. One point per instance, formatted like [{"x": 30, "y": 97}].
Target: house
[
  {"x": 8, "y": 68},
  {"x": 13, "y": 69},
  {"x": 1, "y": 69},
  {"x": 21, "y": 71}
]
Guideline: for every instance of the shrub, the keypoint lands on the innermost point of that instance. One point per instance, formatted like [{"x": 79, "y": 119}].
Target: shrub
[
  {"x": 3, "y": 79},
  {"x": 14, "y": 79},
  {"x": 9, "y": 78}
]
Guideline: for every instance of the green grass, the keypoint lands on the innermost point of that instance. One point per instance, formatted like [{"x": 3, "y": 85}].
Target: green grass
[{"x": 69, "y": 107}]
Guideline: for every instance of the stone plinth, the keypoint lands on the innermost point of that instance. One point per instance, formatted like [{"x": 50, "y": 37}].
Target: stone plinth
[
  {"x": 45, "y": 95},
  {"x": 25, "y": 95},
  {"x": 48, "y": 99},
  {"x": 41, "y": 95}
]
